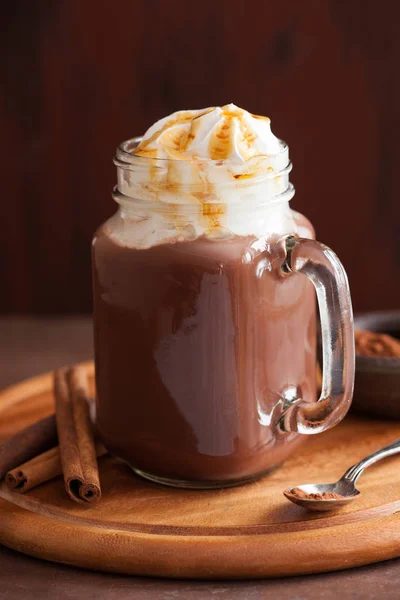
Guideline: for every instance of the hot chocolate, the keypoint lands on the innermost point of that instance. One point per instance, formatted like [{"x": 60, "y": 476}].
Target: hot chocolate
[{"x": 202, "y": 339}]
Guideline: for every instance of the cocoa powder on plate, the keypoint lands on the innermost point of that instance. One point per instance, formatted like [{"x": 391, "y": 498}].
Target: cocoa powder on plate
[{"x": 372, "y": 343}]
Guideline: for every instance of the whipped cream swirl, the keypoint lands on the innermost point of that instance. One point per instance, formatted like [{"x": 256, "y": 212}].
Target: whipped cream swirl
[
  {"x": 218, "y": 133},
  {"x": 222, "y": 162}
]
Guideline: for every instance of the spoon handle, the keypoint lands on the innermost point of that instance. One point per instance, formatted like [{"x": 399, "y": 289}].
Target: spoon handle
[{"x": 356, "y": 470}]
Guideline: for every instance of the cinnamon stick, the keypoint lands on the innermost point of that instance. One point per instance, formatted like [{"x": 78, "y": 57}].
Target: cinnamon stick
[
  {"x": 27, "y": 443},
  {"x": 75, "y": 434},
  {"x": 40, "y": 469}
]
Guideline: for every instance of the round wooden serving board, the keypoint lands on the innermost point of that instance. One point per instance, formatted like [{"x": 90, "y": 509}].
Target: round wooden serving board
[{"x": 251, "y": 531}]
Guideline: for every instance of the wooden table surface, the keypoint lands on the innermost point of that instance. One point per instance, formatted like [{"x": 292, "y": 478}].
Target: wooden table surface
[{"x": 30, "y": 346}]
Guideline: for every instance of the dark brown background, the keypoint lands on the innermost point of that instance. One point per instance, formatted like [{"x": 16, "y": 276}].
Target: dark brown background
[{"x": 78, "y": 76}]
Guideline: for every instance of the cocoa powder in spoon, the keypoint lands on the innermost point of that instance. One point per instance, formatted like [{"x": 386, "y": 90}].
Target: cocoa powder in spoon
[{"x": 301, "y": 494}]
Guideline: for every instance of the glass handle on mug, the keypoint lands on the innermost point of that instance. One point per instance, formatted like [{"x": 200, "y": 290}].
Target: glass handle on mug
[{"x": 321, "y": 265}]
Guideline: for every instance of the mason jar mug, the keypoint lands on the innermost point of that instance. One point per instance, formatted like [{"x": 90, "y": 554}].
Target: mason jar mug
[{"x": 205, "y": 324}]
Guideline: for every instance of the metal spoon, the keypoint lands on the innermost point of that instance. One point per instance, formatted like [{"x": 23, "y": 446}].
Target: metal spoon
[{"x": 345, "y": 488}]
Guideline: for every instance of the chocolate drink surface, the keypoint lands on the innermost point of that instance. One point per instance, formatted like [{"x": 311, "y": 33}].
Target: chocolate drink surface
[{"x": 192, "y": 351}]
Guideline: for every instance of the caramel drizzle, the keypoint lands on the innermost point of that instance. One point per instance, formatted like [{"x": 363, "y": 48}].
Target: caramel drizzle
[
  {"x": 221, "y": 139},
  {"x": 179, "y": 139},
  {"x": 220, "y": 144}
]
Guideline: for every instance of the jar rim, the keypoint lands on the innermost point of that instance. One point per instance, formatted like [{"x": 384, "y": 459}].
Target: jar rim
[
  {"x": 147, "y": 181},
  {"x": 124, "y": 157}
]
